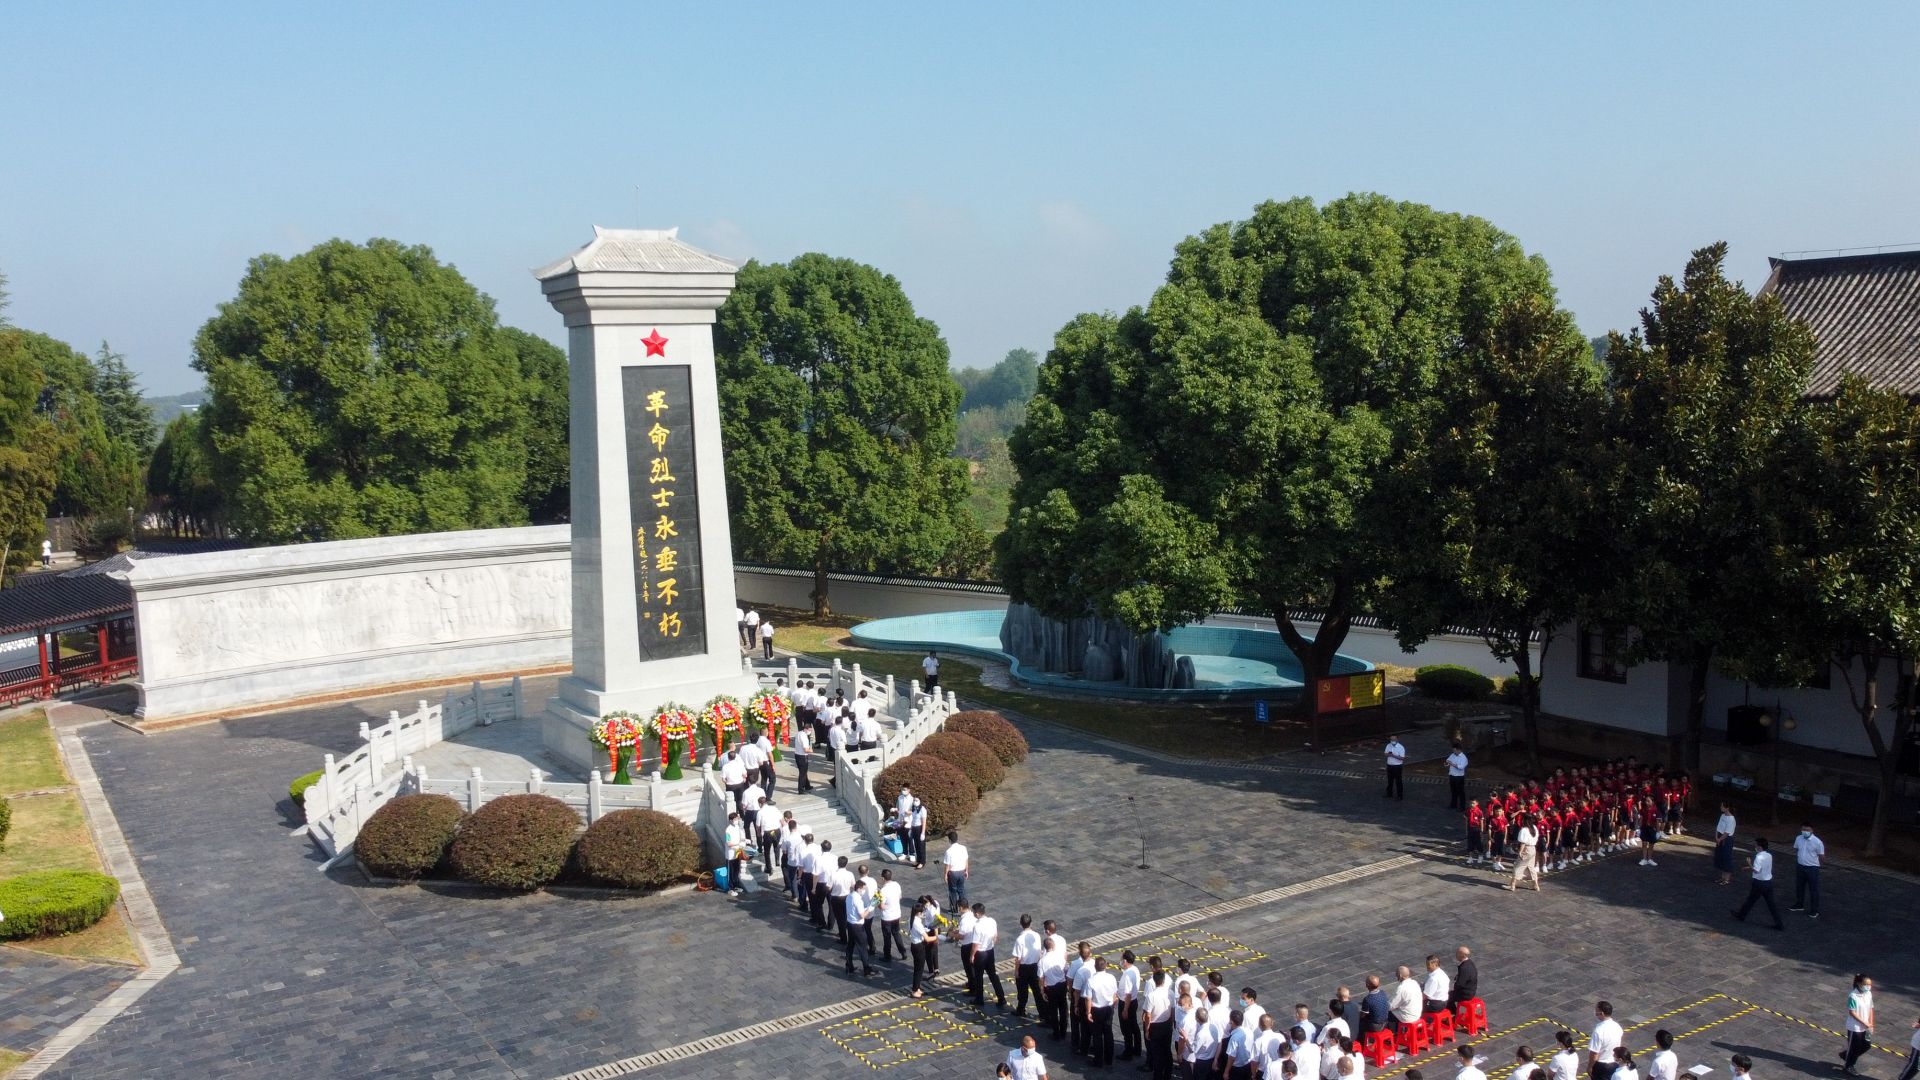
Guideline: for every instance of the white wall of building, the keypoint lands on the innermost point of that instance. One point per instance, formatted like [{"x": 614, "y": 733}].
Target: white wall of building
[
  {"x": 1824, "y": 719},
  {"x": 1642, "y": 703},
  {"x": 236, "y": 630}
]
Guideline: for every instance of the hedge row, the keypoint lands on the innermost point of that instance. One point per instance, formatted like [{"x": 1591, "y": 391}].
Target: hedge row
[
  {"x": 524, "y": 842},
  {"x": 6, "y": 824},
  {"x": 55, "y": 902},
  {"x": 971, "y": 756},
  {"x": 1453, "y": 682},
  {"x": 298, "y": 789},
  {"x": 993, "y": 729}
]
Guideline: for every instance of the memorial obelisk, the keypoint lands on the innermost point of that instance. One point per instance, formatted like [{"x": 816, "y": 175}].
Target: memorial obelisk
[{"x": 653, "y": 602}]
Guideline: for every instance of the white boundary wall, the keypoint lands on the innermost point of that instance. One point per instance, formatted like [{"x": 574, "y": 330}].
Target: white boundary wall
[{"x": 235, "y": 630}]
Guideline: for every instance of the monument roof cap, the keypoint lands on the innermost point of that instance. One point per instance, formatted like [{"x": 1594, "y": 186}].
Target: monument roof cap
[{"x": 647, "y": 251}]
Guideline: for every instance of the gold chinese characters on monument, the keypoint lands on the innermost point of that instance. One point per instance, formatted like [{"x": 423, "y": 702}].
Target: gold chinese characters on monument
[{"x": 663, "y": 492}]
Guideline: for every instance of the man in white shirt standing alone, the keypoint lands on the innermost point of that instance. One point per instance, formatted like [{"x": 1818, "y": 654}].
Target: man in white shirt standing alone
[
  {"x": 1809, "y": 854},
  {"x": 930, "y": 667},
  {"x": 753, "y": 628},
  {"x": 1396, "y": 765},
  {"x": 955, "y": 861},
  {"x": 1457, "y": 777},
  {"x": 1762, "y": 887}
]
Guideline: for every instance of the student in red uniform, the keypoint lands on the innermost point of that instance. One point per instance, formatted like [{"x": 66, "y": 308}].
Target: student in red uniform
[
  {"x": 1476, "y": 832},
  {"x": 1650, "y": 817},
  {"x": 1497, "y": 835}
]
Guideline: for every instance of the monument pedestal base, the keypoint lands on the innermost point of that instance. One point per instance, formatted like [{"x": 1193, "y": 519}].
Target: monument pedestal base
[{"x": 570, "y": 714}]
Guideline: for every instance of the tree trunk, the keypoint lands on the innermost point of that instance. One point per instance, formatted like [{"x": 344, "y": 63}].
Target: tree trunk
[
  {"x": 821, "y": 609},
  {"x": 1685, "y": 755},
  {"x": 1529, "y": 704},
  {"x": 1316, "y": 656},
  {"x": 1889, "y": 760},
  {"x": 1867, "y": 702}
]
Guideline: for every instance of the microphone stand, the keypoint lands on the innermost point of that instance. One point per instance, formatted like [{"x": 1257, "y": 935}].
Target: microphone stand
[{"x": 1144, "y": 865}]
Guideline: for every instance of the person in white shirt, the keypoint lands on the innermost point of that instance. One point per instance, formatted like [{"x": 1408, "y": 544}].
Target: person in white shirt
[
  {"x": 1741, "y": 1066},
  {"x": 1761, "y": 887},
  {"x": 1306, "y": 1055},
  {"x": 1912, "y": 1068},
  {"x": 1437, "y": 988},
  {"x": 766, "y": 639},
  {"x": 926, "y": 942},
  {"x": 902, "y": 802},
  {"x": 1665, "y": 1064},
  {"x": 1859, "y": 1023},
  {"x": 46, "y": 555},
  {"x": 869, "y": 728},
  {"x": 1457, "y": 777},
  {"x": 1103, "y": 990},
  {"x": 1239, "y": 1047},
  {"x": 1250, "y": 1009},
  {"x": 1396, "y": 766},
  {"x": 931, "y": 668},
  {"x": 1127, "y": 1008},
  {"x": 1079, "y": 970},
  {"x": 740, "y": 619},
  {"x": 1524, "y": 1068},
  {"x": 1302, "y": 1021},
  {"x": 801, "y": 741},
  {"x": 822, "y": 886},
  {"x": 1161, "y": 1026},
  {"x": 1600, "y": 1044},
  {"x": 735, "y": 840},
  {"x": 1527, "y": 863},
  {"x": 1053, "y": 983},
  {"x": 763, "y": 747},
  {"x": 916, "y": 821},
  {"x": 986, "y": 940},
  {"x": 733, "y": 776},
  {"x": 753, "y": 628},
  {"x": 1336, "y": 1026},
  {"x": 1028, "y": 947},
  {"x": 1723, "y": 843},
  {"x": 1269, "y": 1049},
  {"x": 1623, "y": 1068},
  {"x": 1203, "y": 1049},
  {"x": 955, "y": 861},
  {"x": 1407, "y": 1005},
  {"x": 1565, "y": 1063},
  {"x": 836, "y": 743},
  {"x": 1185, "y": 1029},
  {"x": 888, "y": 901},
  {"x": 1809, "y": 855},
  {"x": 804, "y": 864},
  {"x": 840, "y": 884},
  {"x": 1469, "y": 1064},
  {"x": 751, "y": 800},
  {"x": 767, "y": 822},
  {"x": 859, "y": 909},
  {"x": 1026, "y": 1062}
]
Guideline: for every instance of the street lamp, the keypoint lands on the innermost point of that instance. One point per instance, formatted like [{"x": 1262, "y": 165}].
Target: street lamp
[{"x": 1787, "y": 723}]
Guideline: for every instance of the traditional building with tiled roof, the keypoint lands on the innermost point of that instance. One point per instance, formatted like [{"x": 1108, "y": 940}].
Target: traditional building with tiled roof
[{"x": 1864, "y": 311}]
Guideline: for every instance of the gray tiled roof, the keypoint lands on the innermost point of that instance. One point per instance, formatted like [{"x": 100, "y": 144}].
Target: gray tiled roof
[
  {"x": 1865, "y": 314},
  {"x": 657, "y": 251}
]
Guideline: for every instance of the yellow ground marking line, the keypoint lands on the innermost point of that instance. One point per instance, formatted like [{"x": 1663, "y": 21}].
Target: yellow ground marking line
[
  {"x": 1485, "y": 1036},
  {"x": 951, "y": 1034},
  {"x": 1790, "y": 1018}
]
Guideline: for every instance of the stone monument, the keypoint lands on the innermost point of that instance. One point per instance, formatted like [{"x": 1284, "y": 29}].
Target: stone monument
[{"x": 653, "y": 601}]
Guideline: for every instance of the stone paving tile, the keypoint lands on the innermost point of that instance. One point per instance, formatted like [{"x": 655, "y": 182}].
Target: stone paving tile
[
  {"x": 41, "y": 994},
  {"x": 338, "y": 978}
]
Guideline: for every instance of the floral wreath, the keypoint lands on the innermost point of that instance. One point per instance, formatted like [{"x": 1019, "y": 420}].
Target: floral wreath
[
  {"x": 772, "y": 712},
  {"x": 721, "y": 716},
  {"x": 674, "y": 722},
  {"x": 615, "y": 730}
]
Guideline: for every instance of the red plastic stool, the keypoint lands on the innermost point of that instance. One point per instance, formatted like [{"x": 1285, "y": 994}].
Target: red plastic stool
[
  {"x": 1412, "y": 1037},
  {"x": 1439, "y": 1027},
  {"x": 1378, "y": 1046},
  {"x": 1471, "y": 1017}
]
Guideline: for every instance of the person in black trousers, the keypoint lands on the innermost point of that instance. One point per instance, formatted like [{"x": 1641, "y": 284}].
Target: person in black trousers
[
  {"x": 856, "y": 917},
  {"x": 1396, "y": 767},
  {"x": 926, "y": 941},
  {"x": 820, "y": 887},
  {"x": 1913, "y": 1055},
  {"x": 1762, "y": 886}
]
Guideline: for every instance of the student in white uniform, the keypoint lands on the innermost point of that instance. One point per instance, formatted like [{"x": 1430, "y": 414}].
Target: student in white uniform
[
  {"x": 1565, "y": 1063},
  {"x": 1665, "y": 1064}
]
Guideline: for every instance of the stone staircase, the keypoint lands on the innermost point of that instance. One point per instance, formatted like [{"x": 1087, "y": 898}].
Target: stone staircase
[{"x": 821, "y": 813}]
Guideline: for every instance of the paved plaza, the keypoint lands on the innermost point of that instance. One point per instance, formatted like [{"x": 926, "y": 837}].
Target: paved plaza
[{"x": 1291, "y": 875}]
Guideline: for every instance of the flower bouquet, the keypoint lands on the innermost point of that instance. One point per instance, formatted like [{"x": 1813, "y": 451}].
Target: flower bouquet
[
  {"x": 774, "y": 713},
  {"x": 619, "y": 734},
  {"x": 723, "y": 717},
  {"x": 675, "y": 724}
]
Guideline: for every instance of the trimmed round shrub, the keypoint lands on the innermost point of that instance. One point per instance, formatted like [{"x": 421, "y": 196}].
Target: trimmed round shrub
[
  {"x": 515, "y": 842},
  {"x": 6, "y": 824},
  {"x": 639, "y": 849},
  {"x": 55, "y": 902},
  {"x": 969, "y": 755},
  {"x": 993, "y": 729},
  {"x": 408, "y": 836},
  {"x": 950, "y": 798},
  {"x": 1453, "y": 682},
  {"x": 298, "y": 789}
]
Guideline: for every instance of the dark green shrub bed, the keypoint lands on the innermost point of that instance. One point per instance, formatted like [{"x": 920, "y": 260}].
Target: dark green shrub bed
[
  {"x": 993, "y": 729},
  {"x": 1453, "y": 682},
  {"x": 409, "y": 836},
  {"x": 50, "y": 902},
  {"x": 969, "y": 755},
  {"x": 638, "y": 849},
  {"x": 949, "y": 796},
  {"x": 515, "y": 842}
]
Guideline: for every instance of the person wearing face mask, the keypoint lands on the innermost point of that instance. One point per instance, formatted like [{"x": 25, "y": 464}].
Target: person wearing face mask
[
  {"x": 1809, "y": 855},
  {"x": 1859, "y": 1023},
  {"x": 1026, "y": 1062}
]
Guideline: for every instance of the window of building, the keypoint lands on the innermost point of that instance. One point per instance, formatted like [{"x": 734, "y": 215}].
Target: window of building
[{"x": 1601, "y": 654}]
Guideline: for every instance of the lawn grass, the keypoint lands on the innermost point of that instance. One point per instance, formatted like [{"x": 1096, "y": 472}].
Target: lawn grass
[
  {"x": 1200, "y": 731},
  {"x": 9, "y": 1058},
  {"x": 27, "y": 758},
  {"x": 50, "y": 833}
]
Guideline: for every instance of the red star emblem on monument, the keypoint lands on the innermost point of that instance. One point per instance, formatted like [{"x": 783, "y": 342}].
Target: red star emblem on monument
[{"x": 656, "y": 345}]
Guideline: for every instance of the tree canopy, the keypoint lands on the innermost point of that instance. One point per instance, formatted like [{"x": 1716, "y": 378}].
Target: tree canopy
[
  {"x": 1009, "y": 382},
  {"x": 543, "y": 373},
  {"x": 1227, "y": 444},
  {"x": 837, "y": 410},
  {"x": 362, "y": 390}
]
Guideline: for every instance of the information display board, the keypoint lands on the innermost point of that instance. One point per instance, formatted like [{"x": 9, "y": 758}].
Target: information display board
[
  {"x": 1349, "y": 707},
  {"x": 664, "y": 503}
]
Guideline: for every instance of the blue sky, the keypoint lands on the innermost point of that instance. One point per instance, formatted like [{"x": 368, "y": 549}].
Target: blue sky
[{"x": 1012, "y": 165}]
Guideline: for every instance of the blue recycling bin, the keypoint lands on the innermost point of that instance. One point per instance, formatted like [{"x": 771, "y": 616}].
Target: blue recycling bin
[
  {"x": 893, "y": 844},
  {"x": 720, "y": 879}
]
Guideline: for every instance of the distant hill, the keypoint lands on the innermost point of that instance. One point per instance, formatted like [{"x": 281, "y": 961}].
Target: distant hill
[{"x": 166, "y": 408}]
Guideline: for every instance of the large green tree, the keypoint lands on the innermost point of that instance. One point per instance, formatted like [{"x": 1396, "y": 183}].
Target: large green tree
[
  {"x": 180, "y": 477},
  {"x": 1226, "y": 445},
  {"x": 1009, "y": 382},
  {"x": 362, "y": 390},
  {"x": 1510, "y": 486},
  {"x": 127, "y": 416},
  {"x": 28, "y": 451},
  {"x": 543, "y": 373},
  {"x": 837, "y": 409},
  {"x": 1705, "y": 417}
]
